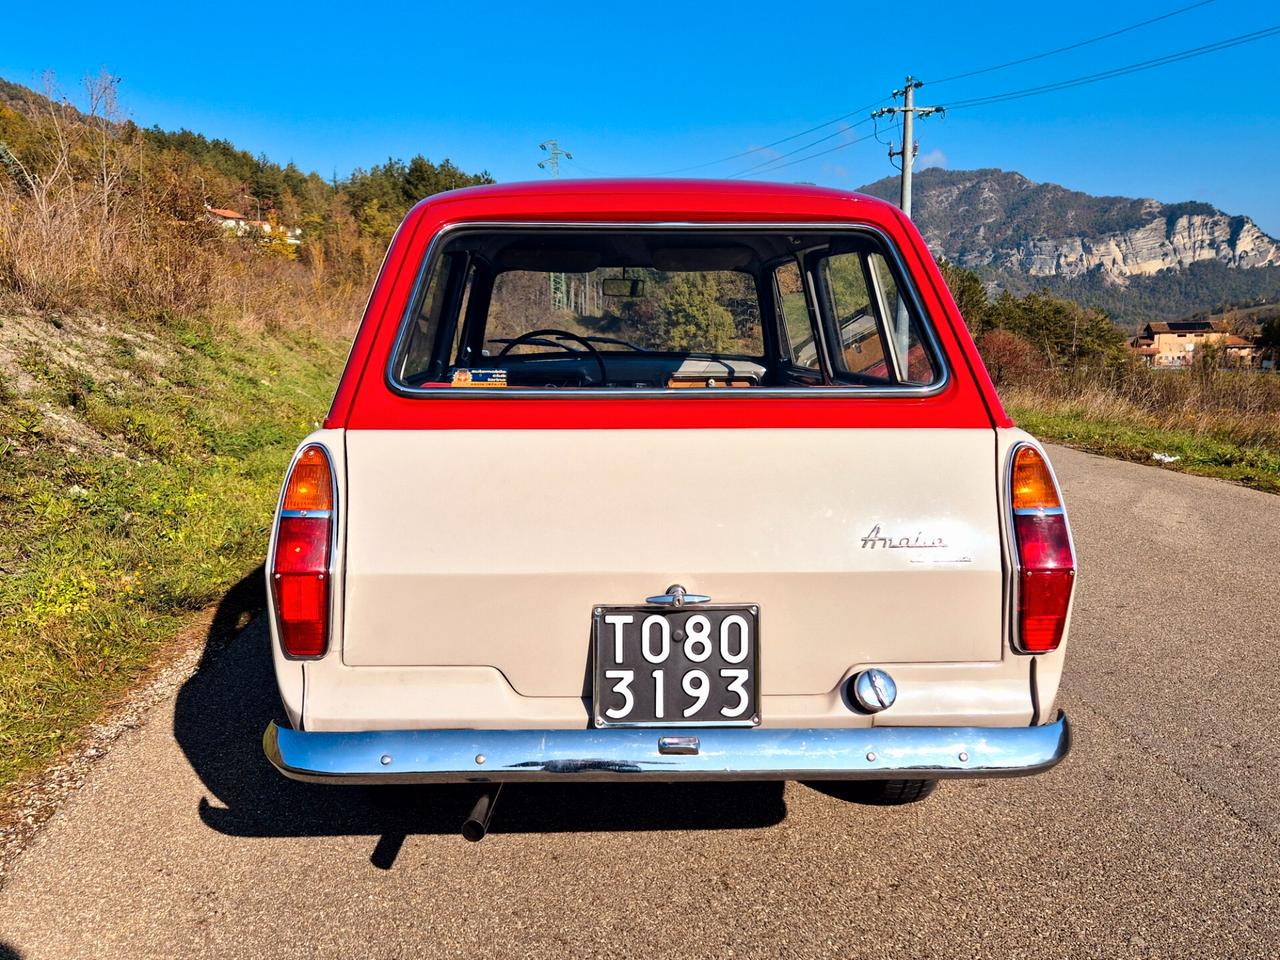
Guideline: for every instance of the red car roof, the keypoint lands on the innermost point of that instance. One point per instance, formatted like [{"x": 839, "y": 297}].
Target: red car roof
[
  {"x": 639, "y": 199},
  {"x": 649, "y": 186},
  {"x": 365, "y": 401}
]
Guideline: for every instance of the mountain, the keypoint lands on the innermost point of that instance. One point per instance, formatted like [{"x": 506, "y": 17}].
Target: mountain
[{"x": 1137, "y": 258}]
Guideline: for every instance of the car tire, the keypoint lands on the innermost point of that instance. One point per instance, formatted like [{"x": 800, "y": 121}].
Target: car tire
[{"x": 879, "y": 793}]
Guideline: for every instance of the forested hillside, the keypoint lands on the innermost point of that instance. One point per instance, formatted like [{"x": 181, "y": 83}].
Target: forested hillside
[{"x": 101, "y": 212}]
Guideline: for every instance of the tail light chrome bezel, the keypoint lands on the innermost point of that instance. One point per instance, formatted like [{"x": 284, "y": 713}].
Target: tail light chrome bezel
[
  {"x": 331, "y": 516},
  {"x": 1014, "y": 579}
]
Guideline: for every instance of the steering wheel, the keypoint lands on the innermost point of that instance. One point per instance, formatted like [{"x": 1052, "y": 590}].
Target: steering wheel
[{"x": 563, "y": 335}]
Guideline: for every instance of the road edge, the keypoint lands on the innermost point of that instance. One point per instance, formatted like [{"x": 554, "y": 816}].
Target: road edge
[{"x": 30, "y": 803}]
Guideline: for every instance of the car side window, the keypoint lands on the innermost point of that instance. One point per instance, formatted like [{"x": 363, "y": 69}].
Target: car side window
[
  {"x": 456, "y": 352},
  {"x": 439, "y": 314},
  {"x": 861, "y": 348},
  {"x": 913, "y": 359},
  {"x": 796, "y": 326},
  {"x": 878, "y": 334},
  {"x": 425, "y": 325}
]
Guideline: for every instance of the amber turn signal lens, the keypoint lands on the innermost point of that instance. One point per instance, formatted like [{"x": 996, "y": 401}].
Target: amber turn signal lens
[
  {"x": 310, "y": 485},
  {"x": 1033, "y": 487}
]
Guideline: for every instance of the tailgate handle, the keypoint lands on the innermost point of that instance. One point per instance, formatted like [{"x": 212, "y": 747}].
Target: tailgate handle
[{"x": 677, "y": 596}]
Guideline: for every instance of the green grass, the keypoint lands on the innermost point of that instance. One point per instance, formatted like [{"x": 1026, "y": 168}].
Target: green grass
[
  {"x": 134, "y": 489},
  {"x": 1204, "y": 453}
]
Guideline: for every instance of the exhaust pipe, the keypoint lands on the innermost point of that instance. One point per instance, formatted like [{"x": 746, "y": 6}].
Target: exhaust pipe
[{"x": 477, "y": 823}]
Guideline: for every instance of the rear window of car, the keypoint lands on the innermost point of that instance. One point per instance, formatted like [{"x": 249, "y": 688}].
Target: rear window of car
[
  {"x": 638, "y": 308},
  {"x": 561, "y": 311}
]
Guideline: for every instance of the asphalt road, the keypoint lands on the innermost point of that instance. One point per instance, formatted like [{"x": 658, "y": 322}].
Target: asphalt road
[{"x": 1159, "y": 836}]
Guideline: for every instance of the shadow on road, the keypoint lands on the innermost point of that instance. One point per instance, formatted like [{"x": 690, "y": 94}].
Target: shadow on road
[
  {"x": 223, "y": 709},
  {"x": 8, "y": 952}
]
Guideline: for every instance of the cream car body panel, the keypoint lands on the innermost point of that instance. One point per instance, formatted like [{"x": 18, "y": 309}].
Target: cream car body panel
[
  {"x": 792, "y": 520},
  {"x": 995, "y": 693}
]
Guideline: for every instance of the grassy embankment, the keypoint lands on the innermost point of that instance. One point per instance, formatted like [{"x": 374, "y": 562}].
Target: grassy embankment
[
  {"x": 138, "y": 472},
  {"x": 156, "y": 371}
]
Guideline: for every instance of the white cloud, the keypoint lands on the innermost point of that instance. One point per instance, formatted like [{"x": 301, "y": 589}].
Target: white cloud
[{"x": 934, "y": 158}]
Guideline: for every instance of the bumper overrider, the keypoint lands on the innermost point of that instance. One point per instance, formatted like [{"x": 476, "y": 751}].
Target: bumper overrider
[{"x": 694, "y": 753}]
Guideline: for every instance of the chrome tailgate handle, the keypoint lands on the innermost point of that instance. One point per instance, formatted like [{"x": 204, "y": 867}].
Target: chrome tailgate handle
[{"x": 677, "y": 596}]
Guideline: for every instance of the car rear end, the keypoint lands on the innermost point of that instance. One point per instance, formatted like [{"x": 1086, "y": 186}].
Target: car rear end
[{"x": 666, "y": 481}]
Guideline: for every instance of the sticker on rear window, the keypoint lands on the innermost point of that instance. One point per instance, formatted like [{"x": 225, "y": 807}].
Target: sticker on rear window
[{"x": 464, "y": 377}]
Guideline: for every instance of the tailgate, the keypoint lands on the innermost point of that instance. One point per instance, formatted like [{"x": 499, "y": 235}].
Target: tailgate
[{"x": 491, "y": 547}]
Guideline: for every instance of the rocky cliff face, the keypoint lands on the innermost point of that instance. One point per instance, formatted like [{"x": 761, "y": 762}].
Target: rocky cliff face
[
  {"x": 1000, "y": 220},
  {"x": 1160, "y": 244}
]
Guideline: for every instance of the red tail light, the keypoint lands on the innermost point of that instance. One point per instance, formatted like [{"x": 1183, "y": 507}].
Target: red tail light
[
  {"x": 300, "y": 568},
  {"x": 1046, "y": 563}
]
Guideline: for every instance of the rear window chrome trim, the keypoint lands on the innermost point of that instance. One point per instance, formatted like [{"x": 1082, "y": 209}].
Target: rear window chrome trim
[{"x": 848, "y": 392}]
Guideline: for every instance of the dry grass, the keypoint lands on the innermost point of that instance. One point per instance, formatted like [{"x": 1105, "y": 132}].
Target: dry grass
[
  {"x": 60, "y": 255},
  {"x": 1240, "y": 406},
  {"x": 91, "y": 219},
  {"x": 1221, "y": 423}
]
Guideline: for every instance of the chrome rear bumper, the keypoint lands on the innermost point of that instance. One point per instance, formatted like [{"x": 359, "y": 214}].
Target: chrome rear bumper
[{"x": 701, "y": 753}]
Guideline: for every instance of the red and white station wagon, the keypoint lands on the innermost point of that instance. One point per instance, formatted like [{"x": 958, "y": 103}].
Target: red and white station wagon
[{"x": 667, "y": 480}]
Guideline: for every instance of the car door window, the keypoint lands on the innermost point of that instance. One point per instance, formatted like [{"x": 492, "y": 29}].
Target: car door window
[
  {"x": 913, "y": 360},
  {"x": 878, "y": 334},
  {"x": 861, "y": 347},
  {"x": 796, "y": 325}
]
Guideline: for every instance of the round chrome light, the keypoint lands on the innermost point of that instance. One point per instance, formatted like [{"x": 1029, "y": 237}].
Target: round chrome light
[{"x": 874, "y": 690}]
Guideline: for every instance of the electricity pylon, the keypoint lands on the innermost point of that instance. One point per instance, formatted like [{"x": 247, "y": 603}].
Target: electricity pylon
[
  {"x": 553, "y": 162},
  {"x": 558, "y": 282}
]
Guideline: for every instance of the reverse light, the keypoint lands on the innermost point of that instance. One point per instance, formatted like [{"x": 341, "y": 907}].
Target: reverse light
[
  {"x": 1046, "y": 562},
  {"x": 300, "y": 565}
]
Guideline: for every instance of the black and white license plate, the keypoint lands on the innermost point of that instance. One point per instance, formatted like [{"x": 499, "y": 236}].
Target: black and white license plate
[{"x": 678, "y": 666}]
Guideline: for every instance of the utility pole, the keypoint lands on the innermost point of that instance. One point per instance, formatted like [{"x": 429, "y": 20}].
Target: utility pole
[
  {"x": 558, "y": 283},
  {"x": 910, "y": 148},
  {"x": 909, "y": 110}
]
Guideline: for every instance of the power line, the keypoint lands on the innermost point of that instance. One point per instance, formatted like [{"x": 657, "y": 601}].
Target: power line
[
  {"x": 811, "y": 156},
  {"x": 895, "y": 121},
  {"x": 790, "y": 153},
  {"x": 592, "y": 171},
  {"x": 972, "y": 73},
  {"x": 1071, "y": 46},
  {"x": 772, "y": 163},
  {"x": 767, "y": 146},
  {"x": 1119, "y": 71}
]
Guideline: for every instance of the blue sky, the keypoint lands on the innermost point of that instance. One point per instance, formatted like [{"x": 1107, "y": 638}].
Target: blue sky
[{"x": 643, "y": 89}]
